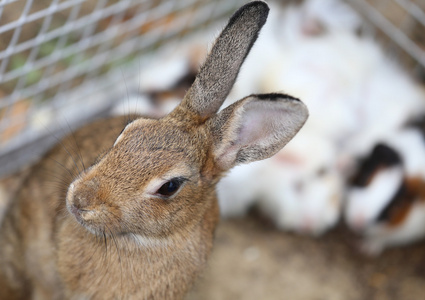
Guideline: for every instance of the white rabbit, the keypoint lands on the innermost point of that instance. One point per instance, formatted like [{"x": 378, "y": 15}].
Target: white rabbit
[
  {"x": 288, "y": 26},
  {"x": 386, "y": 202},
  {"x": 302, "y": 188},
  {"x": 240, "y": 189},
  {"x": 137, "y": 104},
  {"x": 316, "y": 17},
  {"x": 152, "y": 78},
  {"x": 347, "y": 81},
  {"x": 344, "y": 78},
  {"x": 161, "y": 86},
  {"x": 314, "y": 52}
]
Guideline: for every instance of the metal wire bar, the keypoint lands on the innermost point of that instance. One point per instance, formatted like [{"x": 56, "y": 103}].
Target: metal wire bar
[
  {"x": 11, "y": 47},
  {"x": 116, "y": 20},
  {"x": 392, "y": 31},
  {"x": 121, "y": 51},
  {"x": 5, "y": 2},
  {"x": 211, "y": 11},
  {"x": 29, "y": 65},
  {"x": 89, "y": 42},
  {"x": 414, "y": 10},
  {"x": 82, "y": 46},
  {"x": 62, "y": 42},
  {"x": 66, "y": 75},
  {"x": 39, "y": 15},
  {"x": 74, "y": 26}
]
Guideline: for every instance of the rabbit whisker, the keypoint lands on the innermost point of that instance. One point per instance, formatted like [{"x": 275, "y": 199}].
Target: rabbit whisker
[
  {"x": 76, "y": 144},
  {"x": 119, "y": 255}
]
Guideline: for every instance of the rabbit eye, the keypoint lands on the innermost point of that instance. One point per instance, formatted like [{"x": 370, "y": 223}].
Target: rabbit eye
[{"x": 170, "y": 187}]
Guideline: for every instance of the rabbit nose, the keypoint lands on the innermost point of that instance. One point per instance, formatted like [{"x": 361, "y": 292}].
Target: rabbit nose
[
  {"x": 75, "y": 211},
  {"x": 358, "y": 223},
  {"x": 307, "y": 224},
  {"x": 81, "y": 198},
  {"x": 83, "y": 194}
]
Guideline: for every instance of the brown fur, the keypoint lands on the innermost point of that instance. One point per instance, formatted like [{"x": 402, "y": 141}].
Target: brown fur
[
  {"x": 89, "y": 221},
  {"x": 86, "y": 271},
  {"x": 415, "y": 192}
]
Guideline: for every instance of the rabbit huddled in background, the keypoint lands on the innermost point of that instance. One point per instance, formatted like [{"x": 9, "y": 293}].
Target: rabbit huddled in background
[
  {"x": 302, "y": 188},
  {"x": 353, "y": 91},
  {"x": 118, "y": 211},
  {"x": 297, "y": 188},
  {"x": 287, "y": 27},
  {"x": 302, "y": 191},
  {"x": 239, "y": 190},
  {"x": 345, "y": 79},
  {"x": 158, "y": 95},
  {"x": 386, "y": 198}
]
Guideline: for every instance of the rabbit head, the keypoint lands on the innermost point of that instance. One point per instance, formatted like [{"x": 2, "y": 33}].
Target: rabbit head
[
  {"x": 385, "y": 202},
  {"x": 373, "y": 186},
  {"x": 303, "y": 188},
  {"x": 159, "y": 176}
]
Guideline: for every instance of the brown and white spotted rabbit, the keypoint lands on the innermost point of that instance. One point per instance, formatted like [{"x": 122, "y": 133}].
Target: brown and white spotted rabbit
[{"x": 137, "y": 210}]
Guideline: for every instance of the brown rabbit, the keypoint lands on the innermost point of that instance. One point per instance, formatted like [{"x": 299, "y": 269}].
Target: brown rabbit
[{"x": 137, "y": 210}]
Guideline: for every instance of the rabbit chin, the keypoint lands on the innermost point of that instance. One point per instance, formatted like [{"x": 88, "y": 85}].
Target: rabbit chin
[{"x": 89, "y": 219}]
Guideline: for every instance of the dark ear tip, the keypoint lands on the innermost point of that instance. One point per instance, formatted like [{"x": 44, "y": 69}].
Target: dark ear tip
[
  {"x": 276, "y": 96},
  {"x": 258, "y": 9},
  {"x": 262, "y": 5}
]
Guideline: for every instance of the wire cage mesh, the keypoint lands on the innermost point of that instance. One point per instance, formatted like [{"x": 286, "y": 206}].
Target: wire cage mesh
[
  {"x": 400, "y": 26},
  {"x": 54, "y": 54}
]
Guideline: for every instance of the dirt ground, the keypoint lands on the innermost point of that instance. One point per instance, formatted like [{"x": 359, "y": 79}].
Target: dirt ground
[{"x": 253, "y": 260}]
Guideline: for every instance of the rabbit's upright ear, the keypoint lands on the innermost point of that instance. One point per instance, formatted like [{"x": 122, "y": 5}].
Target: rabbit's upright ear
[
  {"x": 255, "y": 128},
  {"x": 218, "y": 74}
]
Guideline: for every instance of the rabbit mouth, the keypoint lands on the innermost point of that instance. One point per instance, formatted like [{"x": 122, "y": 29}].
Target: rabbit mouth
[
  {"x": 92, "y": 220},
  {"x": 88, "y": 219},
  {"x": 81, "y": 215},
  {"x": 83, "y": 205}
]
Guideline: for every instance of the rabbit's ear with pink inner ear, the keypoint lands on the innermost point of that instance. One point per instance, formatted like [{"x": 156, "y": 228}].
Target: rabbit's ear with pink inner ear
[{"x": 255, "y": 127}]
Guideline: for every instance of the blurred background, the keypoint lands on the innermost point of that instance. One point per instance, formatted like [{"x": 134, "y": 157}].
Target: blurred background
[{"x": 339, "y": 213}]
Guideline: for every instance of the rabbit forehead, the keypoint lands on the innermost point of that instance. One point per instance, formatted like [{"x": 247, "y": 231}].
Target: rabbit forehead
[
  {"x": 148, "y": 148},
  {"x": 159, "y": 138}
]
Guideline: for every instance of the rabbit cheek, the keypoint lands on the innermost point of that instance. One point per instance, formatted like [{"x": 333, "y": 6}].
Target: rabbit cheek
[
  {"x": 160, "y": 217},
  {"x": 157, "y": 217}
]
